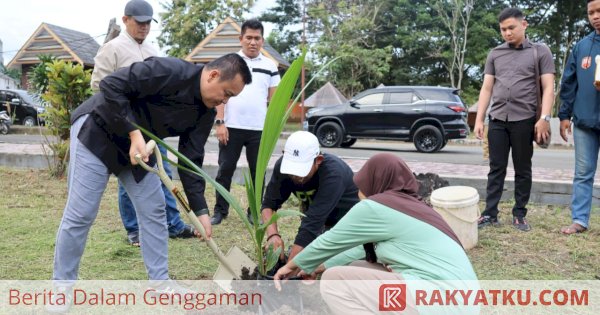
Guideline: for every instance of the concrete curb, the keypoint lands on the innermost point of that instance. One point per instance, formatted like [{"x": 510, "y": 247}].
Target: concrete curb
[{"x": 544, "y": 192}]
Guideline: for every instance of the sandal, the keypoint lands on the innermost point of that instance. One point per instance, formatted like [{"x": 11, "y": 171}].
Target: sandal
[
  {"x": 134, "y": 238},
  {"x": 573, "y": 229}
]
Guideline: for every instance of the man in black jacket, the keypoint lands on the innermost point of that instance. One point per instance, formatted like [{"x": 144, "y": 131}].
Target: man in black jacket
[{"x": 167, "y": 96}]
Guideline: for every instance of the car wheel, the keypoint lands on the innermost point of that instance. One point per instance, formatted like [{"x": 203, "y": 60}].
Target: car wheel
[
  {"x": 428, "y": 139},
  {"x": 4, "y": 128},
  {"x": 348, "y": 143},
  {"x": 444, "y": 144},
  {"x": 29, "y": 121},
  {"x": 330, "y": 135}
]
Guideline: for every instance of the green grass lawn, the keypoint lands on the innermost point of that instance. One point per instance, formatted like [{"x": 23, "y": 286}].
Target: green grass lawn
[{"x": 32, "y": 205}]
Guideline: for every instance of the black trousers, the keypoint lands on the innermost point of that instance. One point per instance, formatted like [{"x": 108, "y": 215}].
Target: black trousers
[
  {"x": 228, "y": 157},
  {"x": 503, "y": 137}
]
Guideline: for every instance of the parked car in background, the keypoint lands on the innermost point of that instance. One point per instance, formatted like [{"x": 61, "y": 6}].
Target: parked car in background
[
  {"x": 22, "y": 106},
  {"x": 427, "y": 116}
]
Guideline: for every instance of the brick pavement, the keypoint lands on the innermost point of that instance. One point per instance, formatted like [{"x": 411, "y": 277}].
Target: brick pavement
[
  {"x": 550, "y": 186},
  {"x": 442, "y": 169}
]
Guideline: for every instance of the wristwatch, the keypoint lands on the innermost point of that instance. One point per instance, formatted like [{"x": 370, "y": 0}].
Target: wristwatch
[
  {"x": 219, "y": 122},
  {"x": 546, "y": 118}
]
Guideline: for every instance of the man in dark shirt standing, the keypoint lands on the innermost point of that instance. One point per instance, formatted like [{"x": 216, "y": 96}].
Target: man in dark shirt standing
[
  {"x": 510, "y": 80},
  {"x": 167, "y": 96},
  {"x": 322, "y": 182}
]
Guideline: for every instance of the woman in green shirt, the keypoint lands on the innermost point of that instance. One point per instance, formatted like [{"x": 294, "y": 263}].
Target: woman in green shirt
[{"x": 399, "y": 236}]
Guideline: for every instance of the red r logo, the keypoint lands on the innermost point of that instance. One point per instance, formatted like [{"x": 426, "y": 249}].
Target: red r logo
[
  {"x": 586, "y": 62},
  {"x": 392, "y": 297}
]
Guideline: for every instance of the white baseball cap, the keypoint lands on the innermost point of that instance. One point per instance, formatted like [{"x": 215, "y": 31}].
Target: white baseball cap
[{"x": 301, "y": 149}]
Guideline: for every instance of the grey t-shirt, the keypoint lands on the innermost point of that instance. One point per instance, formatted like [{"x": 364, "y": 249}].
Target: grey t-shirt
[{"x": 514, "y": 92}]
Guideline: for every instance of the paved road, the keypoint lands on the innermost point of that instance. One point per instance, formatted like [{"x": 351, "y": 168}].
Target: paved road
[
  {"x": 558, "y": 158},
  {"x": 452, "y": 153}
]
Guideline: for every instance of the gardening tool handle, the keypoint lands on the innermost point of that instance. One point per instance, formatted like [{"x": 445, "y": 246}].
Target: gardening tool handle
[
  {"x": 150, "y": 146},
  {"x": 210, "y": 242}
]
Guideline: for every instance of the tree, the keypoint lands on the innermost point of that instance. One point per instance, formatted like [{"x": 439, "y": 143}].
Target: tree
[
  {"x": 68, "y": 86},
  {"x": 422, "y": 44},
  {"x": 187, "y": 22},
  {"x": 13, "y": 73},
  {"x": 287, "y": 42},
  {"x": 348, "y": 29},
  {"x": 38, "y": 75},
  {"x": 409, "y": 27},
  {"x": 456, "y": 15}
]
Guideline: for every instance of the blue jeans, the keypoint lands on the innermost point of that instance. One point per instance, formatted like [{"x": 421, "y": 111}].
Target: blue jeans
[
  {"x": 587, "y": 144},
  {"x": 127, "y": 210}
]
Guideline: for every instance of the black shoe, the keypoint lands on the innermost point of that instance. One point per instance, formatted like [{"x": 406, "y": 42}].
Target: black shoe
[
  {"x": 187, "y": 232},
  {"x": 486, "y": 220},
  {"x": 217, "y": 218},
  {"x": 520, "y": 223}
]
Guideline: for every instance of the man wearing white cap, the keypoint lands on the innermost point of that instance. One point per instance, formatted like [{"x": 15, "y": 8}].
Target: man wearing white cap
[{"x": 322, "y": 182}]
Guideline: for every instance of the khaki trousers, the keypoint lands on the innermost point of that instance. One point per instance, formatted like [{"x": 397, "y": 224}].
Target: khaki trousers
[{"x": 361, "y": 295}]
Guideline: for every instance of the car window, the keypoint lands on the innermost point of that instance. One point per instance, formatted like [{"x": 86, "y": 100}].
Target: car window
[
  {"x": 27, "y": 98},
  {"x": 371, "y": 99},
  {"x": 2, "y": 96},
  {"x": 402, "y": 98},
  {"x": 10, "y": 96},
  {"x": 439, "y": 95}
]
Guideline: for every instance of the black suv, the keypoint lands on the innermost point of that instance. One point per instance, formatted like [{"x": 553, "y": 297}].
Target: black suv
[
  {"x": 427, "y": 116},
  {"x": 23, "y": 106}
]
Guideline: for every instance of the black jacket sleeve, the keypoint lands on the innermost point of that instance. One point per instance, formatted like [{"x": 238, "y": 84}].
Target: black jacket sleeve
[
  {"x": 277, "y": 192},
  {"x": 192, "y": 146},
  {"x": 133, "y": 82},
  {"x": 330, "y": 191}
]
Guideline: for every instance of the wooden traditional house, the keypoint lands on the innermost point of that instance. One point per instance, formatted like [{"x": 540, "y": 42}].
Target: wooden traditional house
[
  {"x": 56, "y": 41},
  {"x": 224, "y": 39}
]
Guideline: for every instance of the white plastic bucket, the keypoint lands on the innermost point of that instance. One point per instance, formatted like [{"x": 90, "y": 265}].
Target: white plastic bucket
[{"x": 458, "y": 205}]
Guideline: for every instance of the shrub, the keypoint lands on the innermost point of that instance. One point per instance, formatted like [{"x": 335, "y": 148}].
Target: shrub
[{"x": 68, "y": 85}]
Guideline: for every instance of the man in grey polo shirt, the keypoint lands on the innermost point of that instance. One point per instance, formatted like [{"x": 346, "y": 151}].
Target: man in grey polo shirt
[{"x": 510, "y": 81}]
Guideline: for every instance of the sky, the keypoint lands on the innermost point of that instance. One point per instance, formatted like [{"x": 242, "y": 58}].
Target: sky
[{"x": 20, "y": 18}]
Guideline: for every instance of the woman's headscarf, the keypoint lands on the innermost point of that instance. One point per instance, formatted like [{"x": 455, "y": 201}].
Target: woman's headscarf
[{"x": 386, "y": 179}]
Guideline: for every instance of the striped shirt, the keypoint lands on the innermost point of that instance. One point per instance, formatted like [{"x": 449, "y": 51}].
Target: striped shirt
[{"x": 249, "y": 108}]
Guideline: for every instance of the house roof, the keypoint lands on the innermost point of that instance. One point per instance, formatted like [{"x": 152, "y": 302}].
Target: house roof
[
  {"x": 60, "y": 42},
  {"x": 327, "y": 95},
  {"x": 224, "y": 39}
]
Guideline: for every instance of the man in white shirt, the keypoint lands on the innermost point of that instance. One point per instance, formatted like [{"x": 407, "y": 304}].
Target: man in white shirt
[
  {"x": 129, "y": 47},
  {"x": 239, "y": 123}
]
